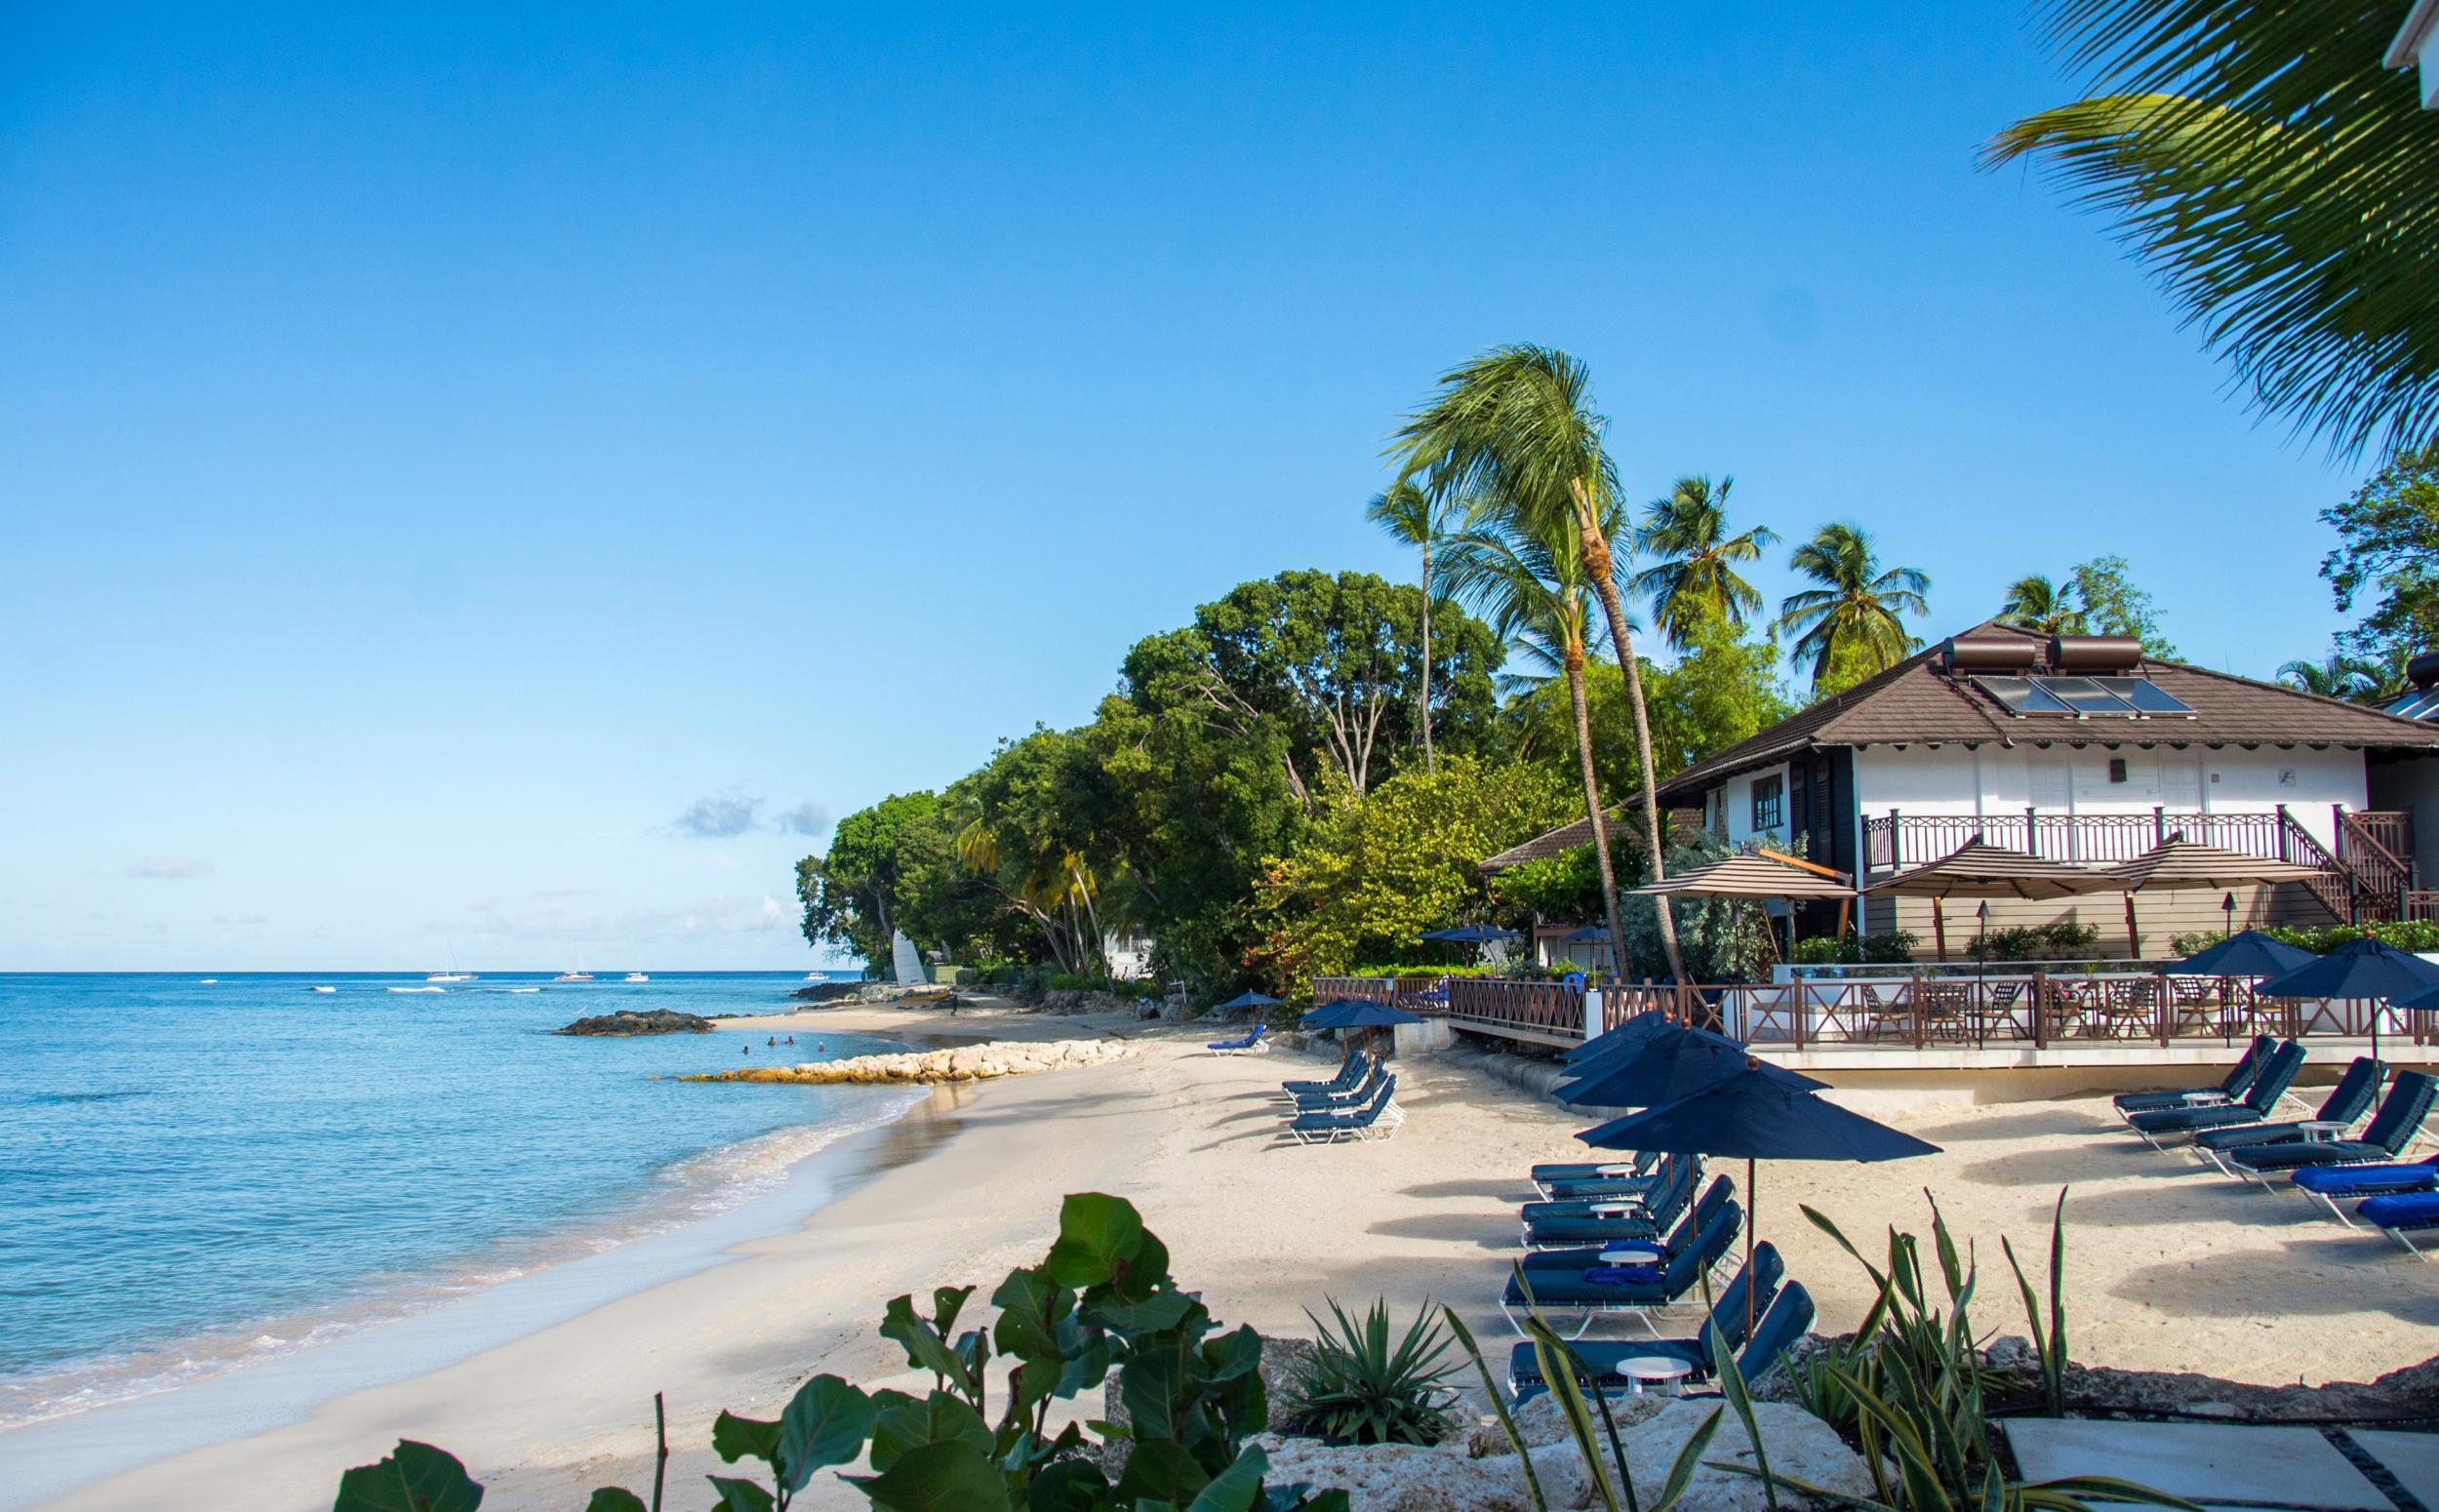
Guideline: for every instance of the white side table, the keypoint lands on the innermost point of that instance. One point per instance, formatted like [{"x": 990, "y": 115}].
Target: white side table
[
  {"x": 2205, "y": 1099},
  {"x": 1655, "y": 1374},
  {"x": 2320, "y": 1130},
  {"x": 1630, "y": 1254}
]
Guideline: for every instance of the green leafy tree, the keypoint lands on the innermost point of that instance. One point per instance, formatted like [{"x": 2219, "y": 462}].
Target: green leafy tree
[
  {"x": 851, "y": 896},
  {"x": 1035, "y": 831},
  {"x": 2335, "y": 676},
  {"x": 1534, "y": 591},
  {"x": 1412, "y": 516},
  {"x": 1374, "y": 872},
  {"x": 2112, "y": 605},
  {"x": 1852, "y": 627},
  {"x": 1514, "y": 430},
  {"x": 1695, "y": 580},
  {"x": 2280, "y": 182},
  {"x": 2389, "y": 552},
  {"x": 1725, "y": 689},
  {"x": 2037, "y": 603}
]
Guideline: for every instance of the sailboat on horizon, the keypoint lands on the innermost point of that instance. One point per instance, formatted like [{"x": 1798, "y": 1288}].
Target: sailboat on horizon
[{"x": 452, "y": 973}]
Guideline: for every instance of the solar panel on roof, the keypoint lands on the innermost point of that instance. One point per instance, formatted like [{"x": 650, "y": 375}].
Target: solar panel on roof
[
  {"x": 2019, "y": 695},
  {"x": 2147, "y": 695},
  {"x": 2086, "y": 697},
  {"x": 2421, "y": 703}
]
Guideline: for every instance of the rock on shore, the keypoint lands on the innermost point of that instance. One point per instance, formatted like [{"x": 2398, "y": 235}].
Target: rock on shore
[
  {"x": 627, "y": 1022},
  {"x": 969, "y": 1064}
]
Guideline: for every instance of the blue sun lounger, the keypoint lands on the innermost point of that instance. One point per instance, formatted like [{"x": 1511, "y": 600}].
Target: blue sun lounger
[
  {"x": 1340, "y": 1102},
  {"x": 1611, "y": 1187},
  {"x": 1350, "y": 1071},
  {"x": 2347, "y": 1101},
  {"x": 1596, "y": 1362},
  {"x": 1251, "y": 1041},
  {"x": 2330, "y": 1185},
  {"x": 1563, "y": 1280},
  {"x": 1543, "y": 1177},
  {"x": 2391, "y": 1131},
  {"x": 1373, "y": 1119},
  {"x": 1677, "y": 1173},
  {"x": 1617, "y": 1221},
  {"x": 2400, "y": 1213},
  {"x": 2238, "y": 1079},
  {"x": 2278, "y": 1074}
]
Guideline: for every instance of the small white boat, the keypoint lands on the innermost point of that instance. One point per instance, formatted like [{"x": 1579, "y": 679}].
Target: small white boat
[
  {"x": 638, "y": 976},
  {"x": 450, "y": 976},
  {"x": 209, "y": 982},
  {"x": 574, "y": 976},
  {"x": 326, "y": 989},
  {"x": 418, "y": 989},
  {"x": 525, "y": 989}
]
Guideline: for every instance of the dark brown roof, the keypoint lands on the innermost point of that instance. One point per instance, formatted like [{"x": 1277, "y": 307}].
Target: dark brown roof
[
  {"x": 1682, "y": 820},
  {"x": 1916, "y": 701}
]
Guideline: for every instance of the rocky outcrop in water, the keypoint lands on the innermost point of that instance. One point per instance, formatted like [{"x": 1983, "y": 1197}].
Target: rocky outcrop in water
[
  {"x": 627, "y": 1022},
  {"x": 969, "y": 1064}
]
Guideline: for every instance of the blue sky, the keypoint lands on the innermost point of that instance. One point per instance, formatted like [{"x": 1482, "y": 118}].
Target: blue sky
[{"x": 492, "y": 479}]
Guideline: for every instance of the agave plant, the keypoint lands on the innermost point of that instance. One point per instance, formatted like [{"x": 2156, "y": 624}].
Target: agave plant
[{"x": 1361, "y": 1387}]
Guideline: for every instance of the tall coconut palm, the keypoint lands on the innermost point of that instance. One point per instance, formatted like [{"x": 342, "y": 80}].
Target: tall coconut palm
[
  {"x": 2035, "y": 603},
  {"x": 1413, "y": 516},
  {"x": 1696, "y": 578},
  {"x": 1849, "y": 625},
  {"x": 1533, "y": 592},
  {"x": 2280, "y": 182},
  {"x": 1516, "y": 427}
]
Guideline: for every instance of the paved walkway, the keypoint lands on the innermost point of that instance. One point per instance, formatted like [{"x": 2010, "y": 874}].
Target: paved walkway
[{"x": 2232, "y": 1465}]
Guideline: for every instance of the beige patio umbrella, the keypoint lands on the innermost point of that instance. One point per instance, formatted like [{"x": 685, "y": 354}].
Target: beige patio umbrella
[
  {"x": 1756, "y": 874},
  {"x": 1981, "y": 869},
  {"x": 2179, "y": 862}
]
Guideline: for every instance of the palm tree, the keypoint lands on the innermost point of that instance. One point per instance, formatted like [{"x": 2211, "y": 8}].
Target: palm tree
[
  {"x": 1697, "y": 579},
  {"x": 1412, "y": 516},
  {"x": 1849, "y": 625},
  {"x": 1515, "y": 426},
  {"x": 1534, "y": 594},
  {"x": 2281, "y": 183},
  {"x": 2035, "y": 603},
  {"x": 2335, "y": 676}
]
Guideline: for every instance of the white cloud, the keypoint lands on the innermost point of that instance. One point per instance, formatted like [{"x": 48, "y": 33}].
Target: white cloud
[
  {"x": 806, "y": 818},
  {"x": 165, "y": 868},
  {"x": 717, "y": 819}
]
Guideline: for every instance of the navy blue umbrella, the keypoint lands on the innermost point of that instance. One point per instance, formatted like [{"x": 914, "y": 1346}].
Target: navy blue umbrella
[
  {"x": 2251, "y": 953},
  {"x": 1372, "y": 1015},
  {"x": 2357, "y": 968},
  {"x": 1753, "y": 1116},
  {"x": 1471, "y": 935},
  {"x": 1248, "y": 1000},
  {"x": 1330, "y": 1014},
  {"x": 1633, "y": 1034},
  {"x": 1672, "y": 1065},
  {"x": 1588, "y": 932}
]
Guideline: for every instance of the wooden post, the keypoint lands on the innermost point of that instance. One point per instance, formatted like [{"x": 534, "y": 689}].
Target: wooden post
[
  {"x": 2159, "y": 825},
  {"x": 2040, "y": 1009},
  {"x": 1940, "y": 929},
  {"x": 2134, "y": 935},
  {"x": 2281, "y": 834},
  {"x": 1914, "y": 1000}
]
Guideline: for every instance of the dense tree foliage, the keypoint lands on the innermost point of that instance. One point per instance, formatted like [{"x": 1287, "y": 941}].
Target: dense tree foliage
[
  {"x": 2387, "y": 558},
  {"x": 1376, "y": 872},
  {"x": 1853, "y": 624},
  {"x": 2098, "y": 597}
]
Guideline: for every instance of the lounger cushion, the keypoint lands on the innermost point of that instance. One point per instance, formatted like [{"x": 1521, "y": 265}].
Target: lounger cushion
[
  {"x": 2364, "y": 1180},
  {"x": 2401, "y": 1209},
  {"x": 2239, "y": 1135},
  {"x": 2301, "y": 1153},
  {"x": 2188, "y": 1120}
]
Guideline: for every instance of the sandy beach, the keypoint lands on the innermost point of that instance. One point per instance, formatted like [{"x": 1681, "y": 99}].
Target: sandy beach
[{"x": 2170, "y": 1268}]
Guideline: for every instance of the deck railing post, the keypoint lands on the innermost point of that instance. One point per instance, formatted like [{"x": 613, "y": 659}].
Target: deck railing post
[
  {"x": 1914, "y": 1000},
  {"x": 1897, "y": 841},
  {"x": 2040, "y": 1009},
  {"x": 1592, "y": 1024},
  {"x": 2159, "y": 825},
  {"x": 2032, "y": 832},
  {"x": 2281, "y": 833}
]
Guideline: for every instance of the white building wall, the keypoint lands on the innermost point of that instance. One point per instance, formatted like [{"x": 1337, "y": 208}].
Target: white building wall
[
  {"x": 1998, "y": 784},
  {"x": 1737, "y": 795}
]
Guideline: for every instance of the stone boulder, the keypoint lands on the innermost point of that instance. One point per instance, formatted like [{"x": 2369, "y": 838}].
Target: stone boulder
[{"x": 627, "y": 1022}]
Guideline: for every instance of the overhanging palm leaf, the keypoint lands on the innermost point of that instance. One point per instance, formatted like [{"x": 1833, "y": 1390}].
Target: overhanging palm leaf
[
  {"x": 2282, "y": 184},
  {"x": 1850, "y": 622},
  {"x": 2035, "y": 603}
]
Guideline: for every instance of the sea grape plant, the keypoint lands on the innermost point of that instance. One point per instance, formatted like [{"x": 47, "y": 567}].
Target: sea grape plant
[{"x": 980, "y": 1438}]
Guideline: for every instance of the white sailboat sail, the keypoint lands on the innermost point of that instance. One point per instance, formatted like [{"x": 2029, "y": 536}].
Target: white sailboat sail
[{"x": 905, "y": 961}]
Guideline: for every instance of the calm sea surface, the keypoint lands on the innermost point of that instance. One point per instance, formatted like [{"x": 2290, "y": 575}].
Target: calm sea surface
[{"x": 193, "y": 1176}]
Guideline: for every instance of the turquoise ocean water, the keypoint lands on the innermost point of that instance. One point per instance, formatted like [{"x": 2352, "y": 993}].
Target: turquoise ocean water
[{"x": 195, "y": 1176}]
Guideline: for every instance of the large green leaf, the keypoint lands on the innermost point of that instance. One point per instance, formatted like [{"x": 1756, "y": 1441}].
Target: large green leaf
[
  {"x": 735, "y": 1438},
  {"x": 1153, "y": 1385},
  {"x": 1235, "y": 1489},
  {"x": 825, "y": 1424},
  {"x": 1161, "y": 1470},
  {"x": 1031, "y": 1304},
  {"x": 738, "y": 1495},
  {"x": 1068, "y": 1485},
  {"x": 948, "y": 1476},
  {"x": 413, "y": 1478},
  {"x": 614, "y": 1498},
  {"x": 1099, "y": 1236},
  {"x": 925, "y": 1349}
]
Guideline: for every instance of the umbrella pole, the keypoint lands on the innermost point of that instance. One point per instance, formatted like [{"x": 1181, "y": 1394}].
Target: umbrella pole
[
  {"x": 2134, "y": 938},
  {"x": 1940, "y": 929}
]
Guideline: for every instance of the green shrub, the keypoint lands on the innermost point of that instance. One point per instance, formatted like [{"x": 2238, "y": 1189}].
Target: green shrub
[
  {"x": 2419, "y": 935},
  {"x": 1896, "y": 945},
  {"x": 1101, "y": 1299},
  {"x": 2060, "y": 939},
  {"x": 1362, "y": 1387}
]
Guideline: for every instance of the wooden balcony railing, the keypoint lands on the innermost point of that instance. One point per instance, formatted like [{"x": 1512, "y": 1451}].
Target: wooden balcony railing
[{"x": 2036, "y": 1009}]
